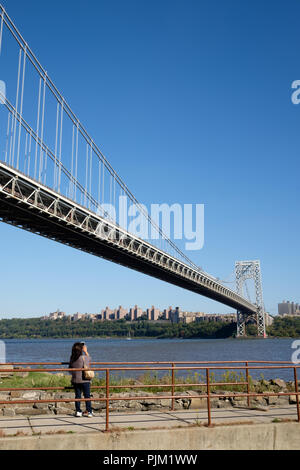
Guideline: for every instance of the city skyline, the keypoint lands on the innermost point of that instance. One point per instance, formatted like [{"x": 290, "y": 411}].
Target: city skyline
[
  {"x": 172, "y": 314},
  {"x": 132, "y": 314}
]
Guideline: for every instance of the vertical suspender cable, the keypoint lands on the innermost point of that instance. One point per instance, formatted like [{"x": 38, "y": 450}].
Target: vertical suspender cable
[
  {"x": 99, "y": 186},
  {"x": 60, "y": 144},
  {"x": 45, "y": 168},
  {"x": 56, "y": 146},
  {"x": 115, "y": 195},
  {"x": 110, "y": 185},
  {"x": 26, "y": 152},
  {"x": 7, "y": 137},
  {"x": 21, "y": 105},
  {"x": 86, "y": 173},
  {"x": 76, "y": 163},
  {"x": 103, "y": 176},
  {"x": 37, "y": 128},
  {"x": 72, "y": 166},
  {"x": 29, "y": 154},
  {"x": 91, "y": 164},
  {"x": 42, "y": 131},
  {"x": 16, "y": 110},
  {"x": 11, "y": 138}
]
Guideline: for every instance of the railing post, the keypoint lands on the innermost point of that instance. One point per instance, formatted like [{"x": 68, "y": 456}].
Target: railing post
[
  {"x": 208, "y": 398},
  {"x": 248, "y": 385},
  {"x": 173, "y": 387},
  {"x": 296, "y": 390},
  {"x": 107, "y": 400}
]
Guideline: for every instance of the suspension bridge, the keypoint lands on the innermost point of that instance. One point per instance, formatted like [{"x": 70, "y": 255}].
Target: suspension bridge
[{"x": 56, "y": 182}]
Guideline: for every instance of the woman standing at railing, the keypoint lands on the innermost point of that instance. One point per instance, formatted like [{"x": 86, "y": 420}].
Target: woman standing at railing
[{"x": 79, "y": 359}]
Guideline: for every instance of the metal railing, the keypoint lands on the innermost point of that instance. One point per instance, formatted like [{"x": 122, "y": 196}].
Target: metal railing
[{"x": 157, "y": 366}]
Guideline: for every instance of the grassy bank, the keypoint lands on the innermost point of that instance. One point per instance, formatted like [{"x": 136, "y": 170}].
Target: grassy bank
[{"x": 41, "y": 380}]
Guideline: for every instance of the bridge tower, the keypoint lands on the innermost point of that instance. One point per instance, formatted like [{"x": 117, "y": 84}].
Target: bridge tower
[{"x": 250, "y": 270}]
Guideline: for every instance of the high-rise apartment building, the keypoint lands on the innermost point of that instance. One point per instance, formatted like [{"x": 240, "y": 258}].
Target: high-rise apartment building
[
  {"x": 153, "y": 313},
  {"x": 121, "y": 313},
  {"x": 288, "y": 308}
]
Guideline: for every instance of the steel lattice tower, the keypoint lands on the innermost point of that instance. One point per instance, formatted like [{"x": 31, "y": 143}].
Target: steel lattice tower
[{"x": 250, "y": 270}]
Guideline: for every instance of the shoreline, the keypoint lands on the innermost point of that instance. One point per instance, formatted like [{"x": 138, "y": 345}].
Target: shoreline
[{"x": 79, "y": 338}]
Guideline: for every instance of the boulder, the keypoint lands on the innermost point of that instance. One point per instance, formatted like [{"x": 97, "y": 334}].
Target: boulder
[
  {"x": 196, "y": 403},
  {"x": 4, "y": 396},
  {"x": 98, "y": 405},
  {"x": 118, "y": 404},
  {"x": 272, "y": 400},
  {"x": 119, "y": 395},
  {"x": 293, "y": 399},
  {"x": 133, "y": 405},
  {"x": 63, "y": 410},
  {"x": 177, "y": 405},
  {"x": 15, "y": 394},
  {"x": 29, "y": 411},
  {"x": 239, "y": 401},
  {"x": 149, "y": 407},
  {"x": 60, "y": 396},
  {"x": 279, "y": 383},
  {"x": 41, "y": 406},
  {"x": 259, "y": 400},
  {"x": 9, "y": 411},
  {"x": 182, "y": 400},
  {"x": 264, "y": 383},
  {"x": 31, "y": 395},
  {"x": 151, "y": 402},
  {"x": 67, "y": 405},
  {"x": 237, "y": 398},
  {"x": 166, "y": 403},
  {"x": 227, "y": 403},
  {"x": 214, "y": 402},
  {"x": 46, "y": 395},
  {"x": 282, "y": 400}
]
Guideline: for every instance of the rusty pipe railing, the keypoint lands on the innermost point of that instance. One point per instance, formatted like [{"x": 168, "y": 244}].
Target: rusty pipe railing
[{"x": 175, "y": 366}]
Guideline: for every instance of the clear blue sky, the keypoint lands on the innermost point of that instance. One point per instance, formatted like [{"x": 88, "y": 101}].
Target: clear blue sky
[{"x": 190, "y": 101}]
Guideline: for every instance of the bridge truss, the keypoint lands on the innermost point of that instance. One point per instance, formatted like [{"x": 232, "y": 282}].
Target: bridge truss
[{"x": 250, "y": 270}]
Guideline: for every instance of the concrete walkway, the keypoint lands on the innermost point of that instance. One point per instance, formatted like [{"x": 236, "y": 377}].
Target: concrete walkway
[{"x": 49, "y": 424}]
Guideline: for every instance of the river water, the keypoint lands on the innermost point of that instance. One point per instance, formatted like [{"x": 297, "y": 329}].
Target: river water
[{"x": 136, "y": 350}]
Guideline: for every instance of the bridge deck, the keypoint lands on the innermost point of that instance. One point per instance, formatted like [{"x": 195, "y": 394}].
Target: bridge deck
[{"x": 31, "y": 206}]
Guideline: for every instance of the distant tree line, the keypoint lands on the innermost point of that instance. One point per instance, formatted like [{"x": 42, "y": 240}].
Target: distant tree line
[
  {"x": 64, "y": 328},
  {"x": 285, "y": 327}
]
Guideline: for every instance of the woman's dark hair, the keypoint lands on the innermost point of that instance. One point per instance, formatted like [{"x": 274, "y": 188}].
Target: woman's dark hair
[{"x": 76, "y": 352}]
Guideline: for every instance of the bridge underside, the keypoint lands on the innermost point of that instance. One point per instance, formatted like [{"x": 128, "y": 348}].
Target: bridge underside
[{"x": 28, "y": 205}]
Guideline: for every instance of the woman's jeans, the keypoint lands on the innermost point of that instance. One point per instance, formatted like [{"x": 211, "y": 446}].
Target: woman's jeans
[{"x": 84, "y": 388}]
